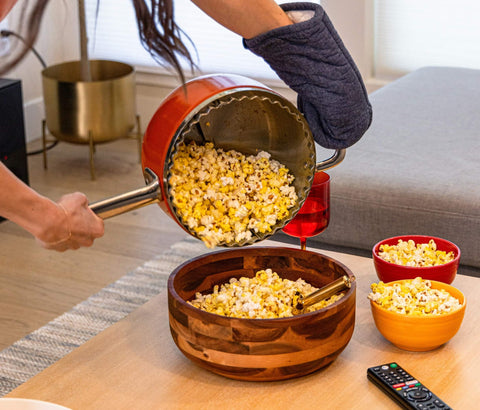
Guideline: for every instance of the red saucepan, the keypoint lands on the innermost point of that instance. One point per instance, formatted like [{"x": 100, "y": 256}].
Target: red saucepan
[{"x": 233, "y": 112}]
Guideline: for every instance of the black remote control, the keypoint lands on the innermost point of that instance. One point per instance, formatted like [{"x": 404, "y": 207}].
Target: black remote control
[{"x": 402, "y": 387}]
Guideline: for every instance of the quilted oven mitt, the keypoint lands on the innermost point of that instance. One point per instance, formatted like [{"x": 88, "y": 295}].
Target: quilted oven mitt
[{"x": 311, "y": 59}]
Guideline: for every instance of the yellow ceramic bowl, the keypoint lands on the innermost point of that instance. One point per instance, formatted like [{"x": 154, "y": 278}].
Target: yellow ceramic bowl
[{"x": 419, "y": 333}]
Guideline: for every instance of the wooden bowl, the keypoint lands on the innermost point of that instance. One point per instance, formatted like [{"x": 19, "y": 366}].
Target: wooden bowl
[{"x": 259, "y": 349}]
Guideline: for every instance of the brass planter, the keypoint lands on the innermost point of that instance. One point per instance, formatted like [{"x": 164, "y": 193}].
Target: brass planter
[
  {"x": 90, "y": 112},
  {"x": 103, "y": 108}
]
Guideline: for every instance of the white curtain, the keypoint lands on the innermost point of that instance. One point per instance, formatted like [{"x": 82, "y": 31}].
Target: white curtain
[
  {"x": 113, "y": 35},
  {"x": 413, "y": 33}
]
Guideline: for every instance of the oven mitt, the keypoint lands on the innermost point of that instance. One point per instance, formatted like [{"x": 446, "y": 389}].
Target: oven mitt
[{"x": 311, "y": 59}]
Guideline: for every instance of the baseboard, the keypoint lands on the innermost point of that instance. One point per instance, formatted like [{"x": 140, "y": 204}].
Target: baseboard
[
  {"x": 34, "y": 112},
  {"x": 373, "y": 84}
]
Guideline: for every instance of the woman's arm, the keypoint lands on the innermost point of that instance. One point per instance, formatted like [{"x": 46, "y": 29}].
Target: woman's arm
[
  {"x": 245, "y": 17},
  {"x": 68, "y": 224}
]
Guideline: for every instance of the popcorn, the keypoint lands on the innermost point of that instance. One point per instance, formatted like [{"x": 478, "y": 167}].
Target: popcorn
[
  {"x": 414, "y": 297},
  {"x": 406, "y": 253},
  {"x": 227, "y": 197},
  {"x": 265, "y": 296}
]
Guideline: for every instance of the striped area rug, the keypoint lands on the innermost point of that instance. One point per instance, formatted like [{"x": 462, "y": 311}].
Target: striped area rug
[{"x": 43, "y": 347}]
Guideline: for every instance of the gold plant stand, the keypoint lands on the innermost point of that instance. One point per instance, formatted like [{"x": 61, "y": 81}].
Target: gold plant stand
[{"x": 136, "y": 134}]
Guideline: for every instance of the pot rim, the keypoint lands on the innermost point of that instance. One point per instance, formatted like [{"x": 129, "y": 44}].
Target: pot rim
[{"x": 48, "y": 72}]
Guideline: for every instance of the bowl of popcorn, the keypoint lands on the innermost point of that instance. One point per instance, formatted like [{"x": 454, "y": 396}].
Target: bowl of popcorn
[
  {"x": 231, "y": 312},
  {"x": 417, "y": 314},
  {"x": 410, "y": 256}
]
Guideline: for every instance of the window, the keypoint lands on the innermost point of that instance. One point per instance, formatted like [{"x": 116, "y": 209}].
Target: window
[
  {"x": 115, "y": 37},
  {"x": 410, "y": 34}
]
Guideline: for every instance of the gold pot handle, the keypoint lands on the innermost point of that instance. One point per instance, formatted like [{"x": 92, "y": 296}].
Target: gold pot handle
[
  {"x": 301, "y": 302},
  {"x": 331, "y": 162},
  {"x": 128, "y": 201}
]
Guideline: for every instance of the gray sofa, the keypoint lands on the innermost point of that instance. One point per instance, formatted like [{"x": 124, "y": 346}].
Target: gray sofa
[{"x": 416, "y": 170}]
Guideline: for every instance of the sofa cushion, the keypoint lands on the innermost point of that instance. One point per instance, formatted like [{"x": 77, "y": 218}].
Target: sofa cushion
[{"x": 417, "y": 169}]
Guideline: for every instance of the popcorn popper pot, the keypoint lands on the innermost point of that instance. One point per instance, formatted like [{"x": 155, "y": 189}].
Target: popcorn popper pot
[{"x": 232, "y": 112}]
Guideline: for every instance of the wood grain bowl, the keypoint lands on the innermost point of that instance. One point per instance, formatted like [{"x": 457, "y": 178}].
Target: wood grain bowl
[{"x": 259, "y": 349}]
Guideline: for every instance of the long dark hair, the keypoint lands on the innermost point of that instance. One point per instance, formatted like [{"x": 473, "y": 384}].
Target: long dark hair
[{"x": 159, "y": 34}]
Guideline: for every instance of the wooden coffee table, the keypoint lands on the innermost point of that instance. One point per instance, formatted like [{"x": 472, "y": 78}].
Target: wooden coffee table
[{"x": 135, "y": 364}]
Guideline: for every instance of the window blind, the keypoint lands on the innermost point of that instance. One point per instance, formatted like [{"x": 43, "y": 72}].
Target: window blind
[
  {"x": 113, "y": 35},
  {"x": 410, "y": 34}
]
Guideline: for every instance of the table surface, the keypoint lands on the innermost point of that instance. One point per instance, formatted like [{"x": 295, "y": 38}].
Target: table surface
[{"x": 135, "y": 364}]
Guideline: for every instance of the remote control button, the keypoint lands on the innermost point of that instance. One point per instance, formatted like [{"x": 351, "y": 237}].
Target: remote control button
[
  {"x": 393, "y": 365},
  {"x": 417, "y": 395},
  {"x": 438, "y": 403}
]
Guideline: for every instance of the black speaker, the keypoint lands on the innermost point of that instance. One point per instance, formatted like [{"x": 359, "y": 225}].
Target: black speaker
[{"x": 12, "y": 129}]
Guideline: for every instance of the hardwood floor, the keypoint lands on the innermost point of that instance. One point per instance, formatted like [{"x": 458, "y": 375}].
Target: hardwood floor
[{"x": 37, "y": 285}]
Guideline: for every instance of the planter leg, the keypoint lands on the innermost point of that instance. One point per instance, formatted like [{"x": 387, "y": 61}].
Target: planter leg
[
  {"x": 44, "y": 142},
  {"x": 92, "y": 153}
]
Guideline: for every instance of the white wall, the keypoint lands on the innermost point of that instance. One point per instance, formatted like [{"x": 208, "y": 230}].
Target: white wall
[{"x": 58, "y": 42}]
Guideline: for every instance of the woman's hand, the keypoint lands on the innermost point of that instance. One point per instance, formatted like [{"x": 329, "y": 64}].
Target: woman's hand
[
  {"x": 74, "y": 226},
  {"x": 66, "y": 224}
]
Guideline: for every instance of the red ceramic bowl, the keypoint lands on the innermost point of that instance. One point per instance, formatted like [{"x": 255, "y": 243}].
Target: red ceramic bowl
[{"x": 388, "y": 272}]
